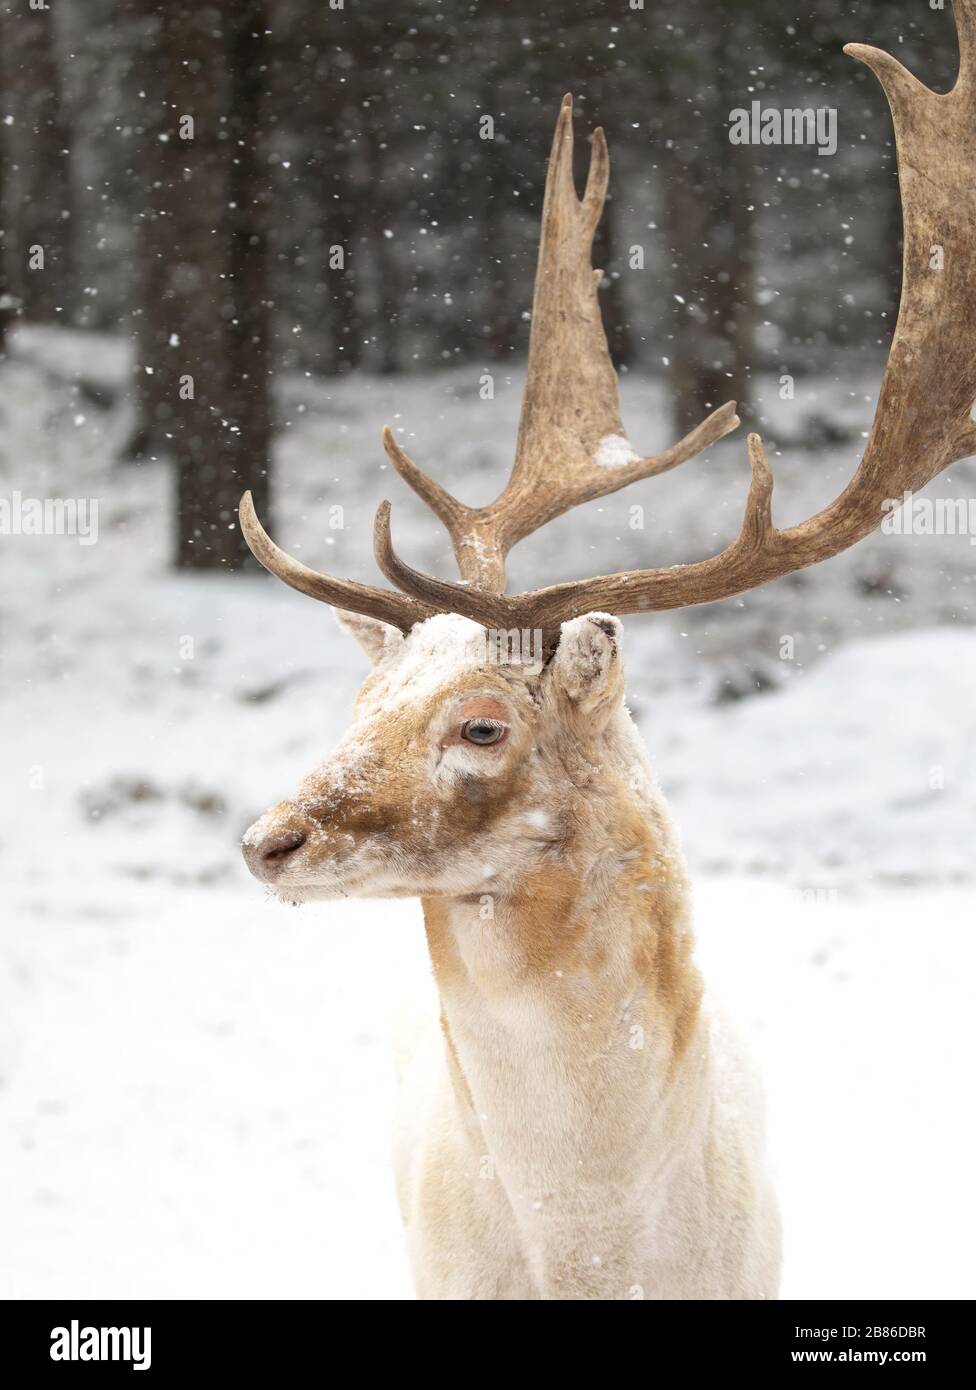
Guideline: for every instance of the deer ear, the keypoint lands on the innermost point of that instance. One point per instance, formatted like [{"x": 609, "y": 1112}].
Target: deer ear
[
  {"x": 587, "y": 667},
  {"x": 376, "y": 639}
]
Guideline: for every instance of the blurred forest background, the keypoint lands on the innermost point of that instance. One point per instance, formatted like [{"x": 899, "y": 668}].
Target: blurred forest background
[{"x": 305, "y": 185}]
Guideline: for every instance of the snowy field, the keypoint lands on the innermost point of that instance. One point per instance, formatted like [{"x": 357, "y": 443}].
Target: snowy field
[{"x": 195, "y": 1081}]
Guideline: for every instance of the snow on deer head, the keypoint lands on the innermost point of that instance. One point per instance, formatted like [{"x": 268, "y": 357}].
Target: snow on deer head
[{"x": 462, "y": 769}]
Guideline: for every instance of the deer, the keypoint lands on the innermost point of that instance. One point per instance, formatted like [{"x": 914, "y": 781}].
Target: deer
[{"x": 581, "y": 1122}]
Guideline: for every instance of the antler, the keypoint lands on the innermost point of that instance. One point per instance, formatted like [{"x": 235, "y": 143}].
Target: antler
[
  {"x": 571, "y": 445},
  {"x": 923, "y": 422}
]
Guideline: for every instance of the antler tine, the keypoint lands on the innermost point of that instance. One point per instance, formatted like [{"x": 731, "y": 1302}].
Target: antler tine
[
  {"x": 447, "y": 508},
  {"x": 397, "y": 609},
  {"x": 560, "y": 184},
  {"x": 472, "y": 532},
  {"x": 597, "y": 180}
]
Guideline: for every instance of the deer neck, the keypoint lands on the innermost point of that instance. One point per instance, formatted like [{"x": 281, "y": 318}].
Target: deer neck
[{"x": 575, "y": 1044}]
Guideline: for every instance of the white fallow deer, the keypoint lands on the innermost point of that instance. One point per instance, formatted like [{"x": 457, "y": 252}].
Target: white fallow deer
[{"x": 580, "y": 1127}]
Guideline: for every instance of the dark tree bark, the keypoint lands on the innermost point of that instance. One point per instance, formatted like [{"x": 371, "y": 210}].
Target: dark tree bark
[
  {"x": 6, "y": 224},
  {"x": 601, "y": 110},
  {"x": 343, "y": 230},
  {"x": 615, "y": 322},
  {"x": 152, "y": 314},
  {"x": 707, "y": 188},
  {"x": 37, "y": 148},
  {"x": 323, "y": 119},
  {"x": 249, "y": 210},
  {"x": 735, "y": 287},
  {"x": 492, "y": 180},
  {"x": 380, "y": 144},
  {"x": 202, "y": 336}
]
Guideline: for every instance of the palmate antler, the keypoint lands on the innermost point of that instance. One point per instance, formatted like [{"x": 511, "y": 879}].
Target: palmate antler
[{"x": 571, "y": 445}]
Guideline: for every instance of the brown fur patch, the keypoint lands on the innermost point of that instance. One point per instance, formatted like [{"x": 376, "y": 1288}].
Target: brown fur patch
[
  {"x": 444, "y": 958},
  {"x": 549, "y": 923},
  {"x": 663, "y": 942},
  {"x": 651, "y": 898},
  {"x": 390, "y": 792}
]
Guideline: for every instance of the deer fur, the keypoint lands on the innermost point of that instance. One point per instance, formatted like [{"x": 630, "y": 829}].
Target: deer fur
[{"x": 578, "y": 1125}]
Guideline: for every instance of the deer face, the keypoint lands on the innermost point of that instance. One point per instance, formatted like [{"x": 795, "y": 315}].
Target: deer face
[{"x": 457, "y": 774}]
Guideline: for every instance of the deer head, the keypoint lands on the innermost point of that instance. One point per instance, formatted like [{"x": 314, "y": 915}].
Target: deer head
[
  {"x": 461, "y": 768},
  {"x": 458, "y": 766}
]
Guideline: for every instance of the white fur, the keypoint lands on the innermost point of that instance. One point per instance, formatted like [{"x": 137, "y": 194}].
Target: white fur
[{"x": 500, "y": 1212}]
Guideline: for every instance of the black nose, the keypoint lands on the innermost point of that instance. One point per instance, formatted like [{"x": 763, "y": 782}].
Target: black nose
[
  {"x": 281, "y": 843},
  {"x": 270, "y": 854}
]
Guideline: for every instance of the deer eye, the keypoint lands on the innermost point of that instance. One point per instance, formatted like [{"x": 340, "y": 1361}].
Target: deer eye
[{"x": 483, "y": 731}]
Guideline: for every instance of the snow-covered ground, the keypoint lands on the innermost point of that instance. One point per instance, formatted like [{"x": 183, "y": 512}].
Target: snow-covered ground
[{"x": 195, "y": 1085}]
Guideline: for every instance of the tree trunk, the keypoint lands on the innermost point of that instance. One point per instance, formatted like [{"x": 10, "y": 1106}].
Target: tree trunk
[
  {"x": 6, "y": 224},
  {"x": 496, "y": 293},
  {"x": 706, "y": 200},
  {"x": 383, "y": 212},
  {"x": 250, "y": 188},
  {"x": 601, "y": 108},
  {"x": 341, "y": 226},
  {"x": 37, "y": 241},
  {"x": 202, "y": 338},
  {"x": 736, "y": 285}
]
